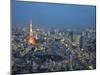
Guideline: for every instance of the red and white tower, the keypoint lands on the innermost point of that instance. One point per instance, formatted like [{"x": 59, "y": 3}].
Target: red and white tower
[{"x": 31, "y": 37}]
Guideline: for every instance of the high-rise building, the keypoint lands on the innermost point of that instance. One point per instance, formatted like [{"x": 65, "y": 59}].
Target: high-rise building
[
  {"x": 70, "y": 36},
  {"x": 83, "y": 40},
  {"x": 31, "y": 37}
]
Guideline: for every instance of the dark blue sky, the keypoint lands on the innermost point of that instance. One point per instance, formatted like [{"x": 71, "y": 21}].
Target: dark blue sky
[{"x": 53, "y": 15}]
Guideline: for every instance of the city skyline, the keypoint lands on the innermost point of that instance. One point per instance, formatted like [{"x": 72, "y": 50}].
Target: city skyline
[{"x": 49, "y": 37}]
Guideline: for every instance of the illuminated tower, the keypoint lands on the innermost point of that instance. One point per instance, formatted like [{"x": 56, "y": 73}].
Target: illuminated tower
[{"x": 31, "y": 38}]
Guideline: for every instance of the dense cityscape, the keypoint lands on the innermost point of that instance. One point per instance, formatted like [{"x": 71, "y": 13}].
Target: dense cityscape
[{"x": 53, "y": 50}]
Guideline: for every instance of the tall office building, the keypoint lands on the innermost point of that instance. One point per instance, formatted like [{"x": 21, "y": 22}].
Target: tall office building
[
  {"x": 83, "y": 40},
  {"x": 70, "y": 36}
]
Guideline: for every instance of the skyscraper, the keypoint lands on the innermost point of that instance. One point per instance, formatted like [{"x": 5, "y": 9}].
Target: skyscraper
[
  {"x": 83, "y": 40},
  {"x": 70, "y": 36}
]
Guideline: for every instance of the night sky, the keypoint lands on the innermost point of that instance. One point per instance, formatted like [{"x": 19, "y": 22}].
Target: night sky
[{"x": 53, "y": 15}]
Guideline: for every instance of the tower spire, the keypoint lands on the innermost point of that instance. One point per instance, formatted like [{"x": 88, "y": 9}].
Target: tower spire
[
  {"x": 31, "y": 38},
  {"x": 30, "y": 28}
]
